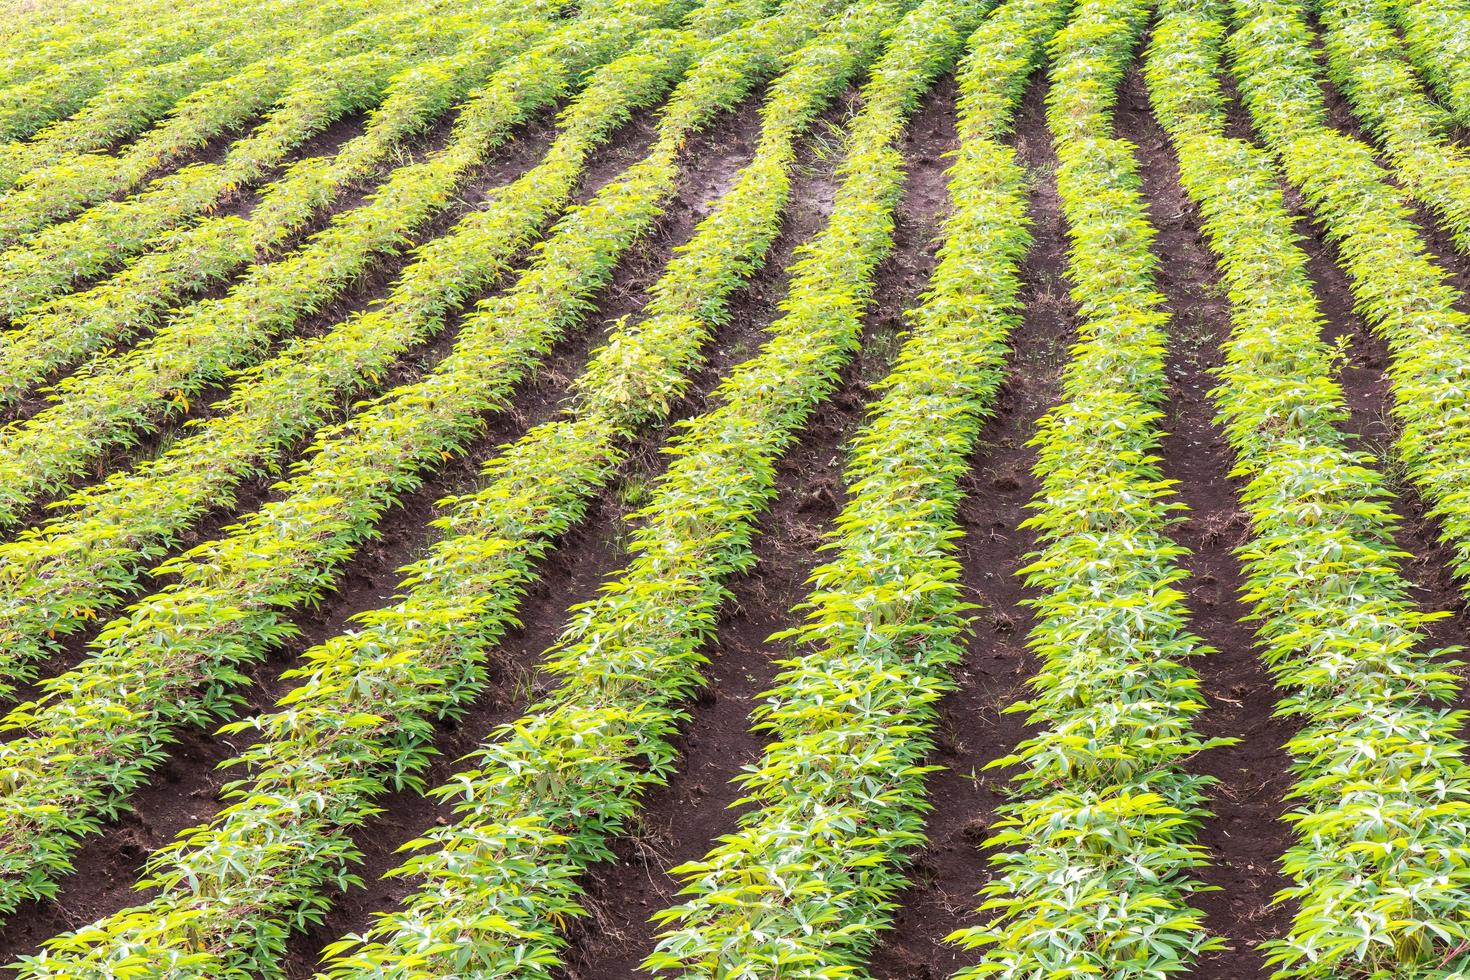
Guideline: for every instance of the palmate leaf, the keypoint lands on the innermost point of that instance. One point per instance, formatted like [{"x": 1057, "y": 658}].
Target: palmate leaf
[
  {"x": 299, "y": 571},
  {"x": 1381, "y": 784},
  {"x": 539, "y": 462},
  {"x": 846, "y": 716},
  {"x": 1096, "y": 842}
]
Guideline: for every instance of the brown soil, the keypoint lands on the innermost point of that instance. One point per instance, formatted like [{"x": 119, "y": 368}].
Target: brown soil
[
  {"x": 186, "y": 790},
  {"x": 681, "y": 821},
  {"x": 975, "y": 729},
  {"x": 1245, "y": 836}
]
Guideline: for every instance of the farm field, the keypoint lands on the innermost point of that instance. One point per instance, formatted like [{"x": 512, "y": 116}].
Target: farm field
[{"x": 734, "y": 489}]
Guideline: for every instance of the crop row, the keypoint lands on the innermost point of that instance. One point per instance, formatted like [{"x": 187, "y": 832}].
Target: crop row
[
  {"x": 78, "y": 179},
  {"x": 1405, "y": 297},
  {"x": 232, "y": 595},
  {"x": 26, "y": 108},
  {"x": 548, "y": 789},
  {"x": 107, "y": 406},
  {"x": 50, "y": 39},
  {"x": 1382, "y": 795},
  {"x": 1366, "y": 60},
  {"x": 61, "y": 575},
  {"x": 1099, "y": 835},
  {"x": 339, "y": 73},
  {"x": 361, "y": 720},
  {"x": 131, "y": 102},
  {"x": 1437, "y": 36},
  {"x": 807, "y": 881},
  {"x": 184, "y": 261}
]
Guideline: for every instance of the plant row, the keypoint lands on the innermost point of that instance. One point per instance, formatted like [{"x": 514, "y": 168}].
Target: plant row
[
  {"x": 131, "y": 102},
  {"x": 547, "y": 790},
  {"x": 1366, "y": 60},
  {"x": 61, "y": 575},
  {"x": 184, "y": 261},
  {"x": 65, "y": 178},
  {"x": 1097, "y": 843},
  {"x": 109, "y": 405},
  {"x": 27, "y": 108},
  {"x": 1437, "y": 36},
  {"x": 362, "y": 719},
  {"x": 1407, "y": 299},
  {"x": 231, "y": 597},
  {"x": 311, "y": 87},
  {"x": 1381, "y": 798},
  {"x": 806, "y": 883},
  {"x": 35, "y": 44},
  {"x": 41, "y": 45}
]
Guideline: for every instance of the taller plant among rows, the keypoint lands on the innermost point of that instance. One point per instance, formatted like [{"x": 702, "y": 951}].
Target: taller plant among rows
[{"x": 1099, "y": 839}]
